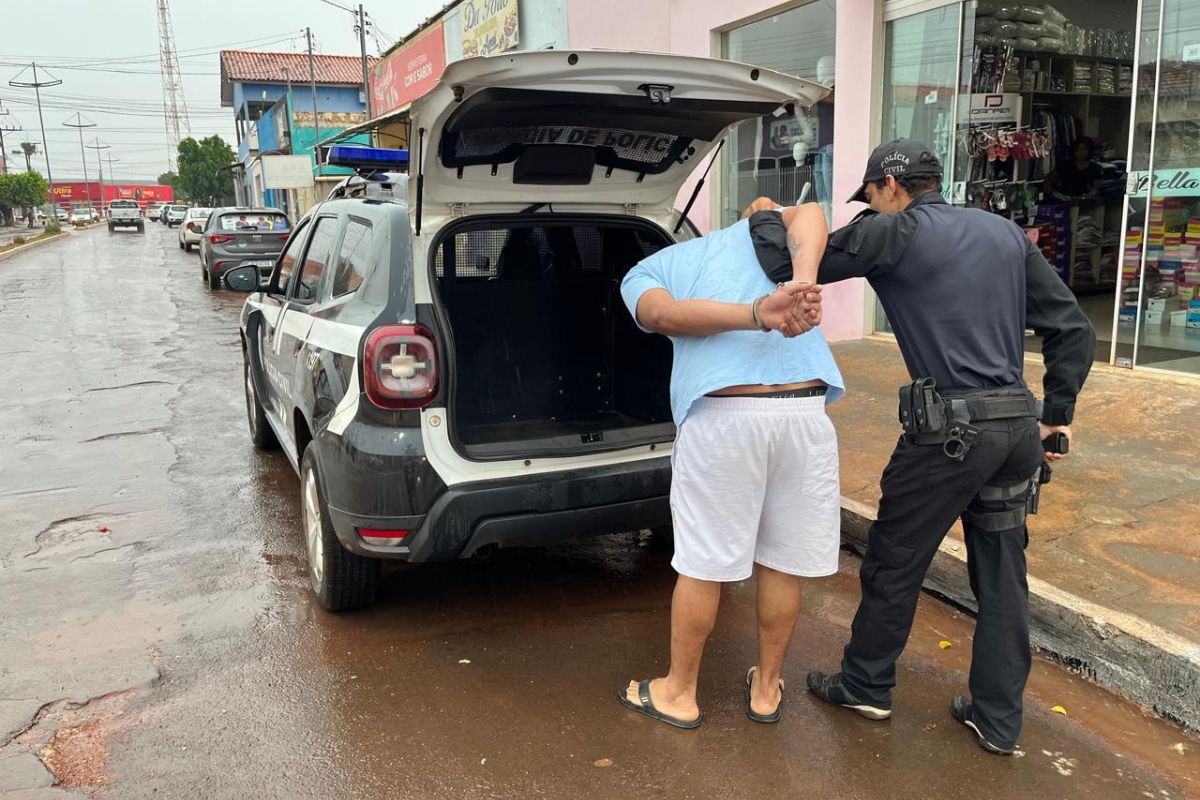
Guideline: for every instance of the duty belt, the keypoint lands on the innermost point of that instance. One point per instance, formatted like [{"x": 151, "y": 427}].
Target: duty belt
[{"x": 946, "y": 418}]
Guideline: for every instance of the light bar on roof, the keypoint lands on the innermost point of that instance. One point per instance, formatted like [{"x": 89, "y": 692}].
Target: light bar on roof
[{"x": 359, "y": 157}]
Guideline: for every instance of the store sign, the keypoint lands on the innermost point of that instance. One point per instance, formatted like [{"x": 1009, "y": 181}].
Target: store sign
[
  {"x": 78, "y": 191},
  {"x": 409, "y": 72},
  {"x": 1166, "y": 183},
  {"x": 989, "y": 109},
  {"x": 489, "y": 26},
  {"x": 1191, "y": 53},
  {"x": 287, "y": 172}
]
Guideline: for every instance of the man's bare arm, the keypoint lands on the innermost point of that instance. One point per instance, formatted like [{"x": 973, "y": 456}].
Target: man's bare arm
[
  {"x": 658, "y": 311},
  {"x": 807, "y": 234}
]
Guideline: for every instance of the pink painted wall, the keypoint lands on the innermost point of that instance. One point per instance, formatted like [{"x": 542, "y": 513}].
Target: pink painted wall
[{"x": 689, "y": 27}]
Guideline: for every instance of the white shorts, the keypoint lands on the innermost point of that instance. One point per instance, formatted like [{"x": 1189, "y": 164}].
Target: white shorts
[{"x": 755, "y": 480}]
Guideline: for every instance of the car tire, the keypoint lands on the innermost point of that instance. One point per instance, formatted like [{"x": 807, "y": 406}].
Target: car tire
[
  {"x": 341, "y": 580},
  {"x": 261, "y": 433},
  {"x": 214, "y": 281},
  {"x": 181, "y": 245}
]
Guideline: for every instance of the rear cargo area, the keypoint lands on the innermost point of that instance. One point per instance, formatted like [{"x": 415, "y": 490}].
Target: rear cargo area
[{"x": 546, "y": 360}]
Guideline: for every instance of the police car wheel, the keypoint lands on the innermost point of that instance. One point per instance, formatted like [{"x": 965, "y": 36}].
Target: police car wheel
[
  {"x": 261, "y": 433},
  {"x": 341, "y": 580}
]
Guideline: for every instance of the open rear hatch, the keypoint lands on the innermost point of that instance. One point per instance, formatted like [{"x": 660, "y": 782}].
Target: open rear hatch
[{"x": 544, "y": 359}]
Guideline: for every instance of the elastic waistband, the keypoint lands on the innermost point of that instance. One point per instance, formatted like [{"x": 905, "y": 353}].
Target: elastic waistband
[
  {"x": 792, "y": 394},
  {"x": 764, "y": 406}
]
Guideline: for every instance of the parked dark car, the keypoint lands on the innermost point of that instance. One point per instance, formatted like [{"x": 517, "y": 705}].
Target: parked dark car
[
  {"x": 237, "y": 237},
  {"x": 454, "y": 371}
]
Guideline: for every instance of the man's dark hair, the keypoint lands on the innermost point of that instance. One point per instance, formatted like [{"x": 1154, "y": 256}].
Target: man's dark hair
[
  {"x": 1086, "y": 142},
  {"x": 915, "y": 185}
]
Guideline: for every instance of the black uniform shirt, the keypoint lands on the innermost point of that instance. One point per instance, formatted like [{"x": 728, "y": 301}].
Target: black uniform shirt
[{"x": 959, "y": 286}]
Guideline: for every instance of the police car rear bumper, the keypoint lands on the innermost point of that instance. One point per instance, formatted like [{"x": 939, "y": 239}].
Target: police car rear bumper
[{"x": 535, "y": 510}]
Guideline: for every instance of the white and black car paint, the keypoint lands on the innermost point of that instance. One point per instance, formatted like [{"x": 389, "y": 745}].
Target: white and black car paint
[{"x": 420, "y": 406}]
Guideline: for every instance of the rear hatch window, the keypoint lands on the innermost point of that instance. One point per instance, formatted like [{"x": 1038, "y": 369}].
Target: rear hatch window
[{"x": 252, "y": 222}]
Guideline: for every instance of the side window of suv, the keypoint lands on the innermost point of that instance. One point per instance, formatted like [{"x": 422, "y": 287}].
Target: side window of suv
[
  {"x": 287, "y": 261},
  {"x": 320, "y": 248},
  {"x": 354, "y": 258}
]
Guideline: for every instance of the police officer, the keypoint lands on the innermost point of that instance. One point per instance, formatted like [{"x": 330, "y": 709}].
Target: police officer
[{"x": 959, "y": 286}]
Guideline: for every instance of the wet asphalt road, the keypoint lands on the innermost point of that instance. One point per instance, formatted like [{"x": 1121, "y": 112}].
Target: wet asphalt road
[{"x": 178, "y": 654}]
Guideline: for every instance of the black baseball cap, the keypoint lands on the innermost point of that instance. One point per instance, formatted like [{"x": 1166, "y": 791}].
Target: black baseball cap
[{"x": 898, "y": 157}]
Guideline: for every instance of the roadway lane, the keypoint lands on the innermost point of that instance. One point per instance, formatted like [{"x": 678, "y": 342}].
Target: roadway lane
[{"x": 159, "y": 640}]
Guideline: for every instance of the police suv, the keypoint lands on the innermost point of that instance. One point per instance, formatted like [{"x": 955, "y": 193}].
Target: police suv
[{"x": 450, "y": 368}]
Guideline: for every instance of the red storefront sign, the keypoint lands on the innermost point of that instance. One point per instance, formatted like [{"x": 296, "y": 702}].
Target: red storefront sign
[
  {"x": 409, "y": 72},
  {"x": 80, "y": 192}
]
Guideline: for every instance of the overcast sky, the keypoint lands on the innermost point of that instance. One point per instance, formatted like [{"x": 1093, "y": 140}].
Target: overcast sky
[{"x": 123, "y": 96}]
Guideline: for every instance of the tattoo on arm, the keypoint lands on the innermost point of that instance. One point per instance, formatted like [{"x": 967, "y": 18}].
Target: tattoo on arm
[{"x": 793, "y": 246}]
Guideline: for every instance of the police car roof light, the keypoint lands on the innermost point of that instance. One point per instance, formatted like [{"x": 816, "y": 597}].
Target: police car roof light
[{"x": 362, "y": 157}]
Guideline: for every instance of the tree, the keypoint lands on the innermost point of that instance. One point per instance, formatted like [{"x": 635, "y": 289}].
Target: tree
[
  {"x": 168, "y": 179},
  {"x": 30, "y": 150},
  {"x": 21, "y": 190},
  {"x": 201, "y": 174}
]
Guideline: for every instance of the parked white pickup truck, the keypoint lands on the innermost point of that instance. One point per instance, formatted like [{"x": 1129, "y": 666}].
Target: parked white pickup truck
[{"x": 125, "y": 214}]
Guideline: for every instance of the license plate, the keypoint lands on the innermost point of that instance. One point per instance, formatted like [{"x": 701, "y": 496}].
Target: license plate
[{"x": 258, "y": 263}]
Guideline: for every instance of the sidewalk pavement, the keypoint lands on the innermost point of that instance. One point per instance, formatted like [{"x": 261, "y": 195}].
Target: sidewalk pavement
[{"x": 1114, "y": 554}]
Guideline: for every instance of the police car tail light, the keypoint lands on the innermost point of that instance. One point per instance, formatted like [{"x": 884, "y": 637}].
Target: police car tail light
[{"x": 400, "y": 366}]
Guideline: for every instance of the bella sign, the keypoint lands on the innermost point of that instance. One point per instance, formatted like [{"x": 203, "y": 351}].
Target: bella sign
[{"x": 1166, "y": 183}]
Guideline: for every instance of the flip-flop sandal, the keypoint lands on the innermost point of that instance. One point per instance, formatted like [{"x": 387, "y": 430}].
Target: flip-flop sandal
[
  {"x": 766, "y": 719},
  {"x": 647, "y": 708}
]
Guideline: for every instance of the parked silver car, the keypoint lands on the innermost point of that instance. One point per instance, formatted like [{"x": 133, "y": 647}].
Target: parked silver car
[{"x": 236, "y": 237}]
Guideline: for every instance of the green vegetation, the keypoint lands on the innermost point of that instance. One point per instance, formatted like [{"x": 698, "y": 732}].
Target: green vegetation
[
  {"x": 20, "y": 190},
  {"x": 201, "y": 177}
]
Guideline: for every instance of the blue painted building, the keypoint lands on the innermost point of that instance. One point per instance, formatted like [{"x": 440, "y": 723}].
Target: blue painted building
[{"x": 272, "y": 102}]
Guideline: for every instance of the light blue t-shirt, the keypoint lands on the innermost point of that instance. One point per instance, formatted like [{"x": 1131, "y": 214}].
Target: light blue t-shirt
[{"x": 722, "y": 266}]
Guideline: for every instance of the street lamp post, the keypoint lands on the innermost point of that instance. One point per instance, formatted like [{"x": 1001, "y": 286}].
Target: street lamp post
[
  {"x": 37, "y": 85},
  {"x": 80, "y": 124},
  {"x": 97, "y": 146}
]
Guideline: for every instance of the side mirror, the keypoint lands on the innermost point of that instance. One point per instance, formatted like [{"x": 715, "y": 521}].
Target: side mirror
[{"x": 242, "y": 279}]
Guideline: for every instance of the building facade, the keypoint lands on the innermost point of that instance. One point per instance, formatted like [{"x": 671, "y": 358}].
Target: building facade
[
  {"x": 1002, "y": 91},
  {"x": 273, "y": 103}
]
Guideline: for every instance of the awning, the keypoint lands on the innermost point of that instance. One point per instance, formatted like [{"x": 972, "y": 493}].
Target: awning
[{"x": 396, "y": 115}]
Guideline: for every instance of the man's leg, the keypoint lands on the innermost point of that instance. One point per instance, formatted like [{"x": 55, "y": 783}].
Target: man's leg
[
  {"x": 996, "y": 536},
  {"x": 924, "y": 491},
  {"x": 693, "y": 614},
  {"x": 778, "y": 610}
]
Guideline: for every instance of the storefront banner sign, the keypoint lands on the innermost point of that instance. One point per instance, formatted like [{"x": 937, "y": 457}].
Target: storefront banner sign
[
  {"x": 1167, "y": 183},
  {"x": 78, "y": 191},
  {"x": 489, "y": 26},
  {"x": 409, "y": 72},
  {"x": 989, "y": 109}
]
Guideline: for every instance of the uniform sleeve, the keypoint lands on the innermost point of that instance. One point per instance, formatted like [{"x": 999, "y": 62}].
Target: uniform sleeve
[
  {"x": 1068, "y": 341},
  {"x": 870, "y": 246},
  {"x": 647, "y": 274}
]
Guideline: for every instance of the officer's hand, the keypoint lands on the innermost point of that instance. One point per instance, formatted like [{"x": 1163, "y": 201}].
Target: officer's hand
[
  {"x": 760, "y": 204},
  {"x": 1045, "y": 431},
  {"x": 781, "y": 311}
]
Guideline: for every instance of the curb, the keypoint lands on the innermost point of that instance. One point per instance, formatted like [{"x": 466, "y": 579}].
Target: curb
[
  {"x": 1153, "y": 667},
  {"x": 31, "y": 245}
]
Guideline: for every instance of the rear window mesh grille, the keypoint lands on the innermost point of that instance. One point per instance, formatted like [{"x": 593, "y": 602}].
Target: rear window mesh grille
[
  {"x": 642, "y": 147},
  {"x": 532, "y": 252}
]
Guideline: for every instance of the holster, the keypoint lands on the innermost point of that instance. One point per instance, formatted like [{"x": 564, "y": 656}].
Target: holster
[{"x": 928, "y": 418}]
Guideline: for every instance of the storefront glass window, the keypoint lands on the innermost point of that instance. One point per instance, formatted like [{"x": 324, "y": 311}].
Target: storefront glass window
[
  {"x": 789, "y": 159},
  {"x": 920, "y": 84},
  {"x": 1167, "y": 315}
]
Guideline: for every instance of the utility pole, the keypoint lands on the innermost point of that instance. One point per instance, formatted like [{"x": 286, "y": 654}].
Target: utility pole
[
  {"x": 37, "y": 85},
  {"x": 79, "y": 124},
  {"x": 112, "y": 175},
  {"x": 361, "y": 27},
  {"x": 174, "y": 104},
  {"x": 312, "y": 80},
  {"x": 5, "y": 126},
  {"x": 95, "y": 145}
]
